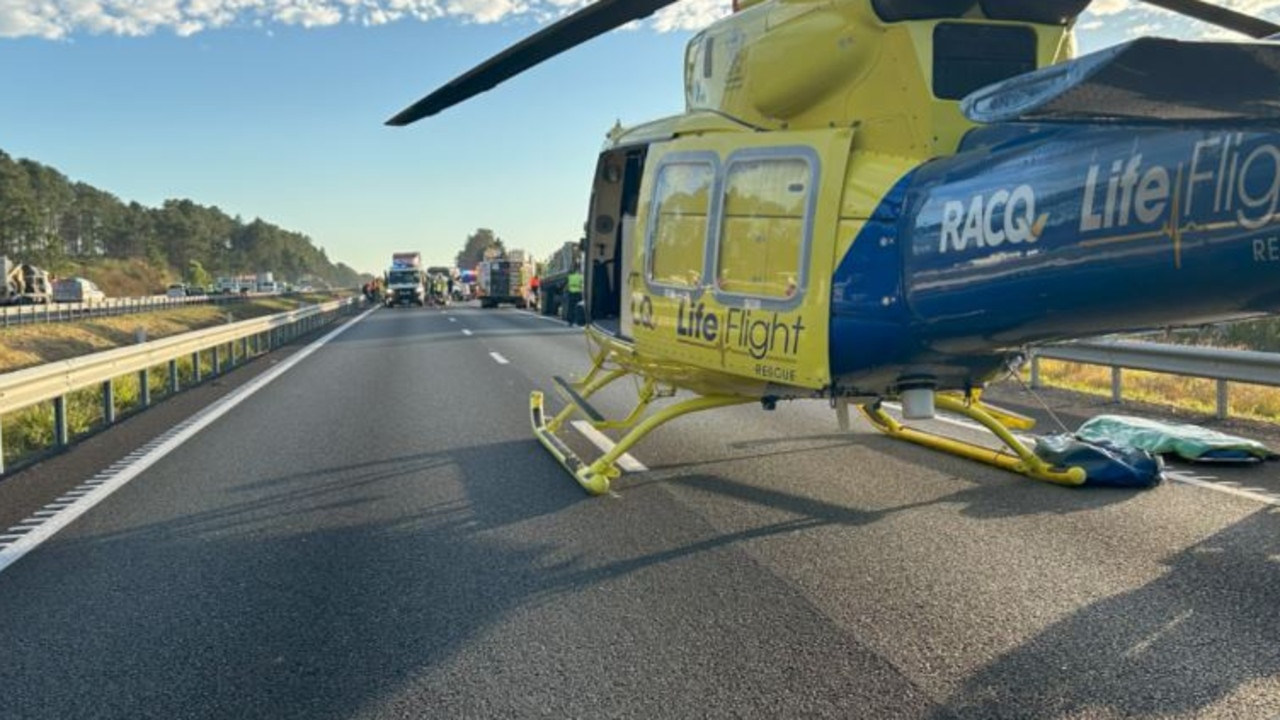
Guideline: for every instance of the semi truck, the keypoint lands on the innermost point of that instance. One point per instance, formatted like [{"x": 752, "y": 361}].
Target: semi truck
[
  {"x": 553, "y": 284},
  {"x": 406, "y": 280}
]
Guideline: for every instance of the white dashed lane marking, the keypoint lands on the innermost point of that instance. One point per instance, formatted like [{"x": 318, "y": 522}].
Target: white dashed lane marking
[
  {"x": 602, "y": 441},
  {"x": 499, "y": 359}
]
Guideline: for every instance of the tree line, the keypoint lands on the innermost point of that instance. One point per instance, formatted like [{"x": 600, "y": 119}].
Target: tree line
[
  {"x": 48, "y": 220},
  {"x": 477, "y": 244}
]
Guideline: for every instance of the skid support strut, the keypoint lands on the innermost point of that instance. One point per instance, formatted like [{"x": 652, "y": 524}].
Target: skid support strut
[
  {"x": 596, "y": 477},
  {"x": 1016, "y": 457}
]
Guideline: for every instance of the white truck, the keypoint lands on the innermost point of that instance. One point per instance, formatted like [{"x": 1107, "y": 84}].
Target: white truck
[
  {"x": 406, "y": 280},
  {"x": 77, "y": 290}
]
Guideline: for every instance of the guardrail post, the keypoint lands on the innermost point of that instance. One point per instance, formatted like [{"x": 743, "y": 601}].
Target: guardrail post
[
  {"x": 195, "y": 368},
  {"x": 108, "y": 403},
  {"x": 1035, "y": 371},
  {"x": 174, "y": 383},
  {"x": 61, "y": 433},
  {"x": 217, "y": 360},
  {"x": 1115, "y": 385},
  {"x": 1223, "y": 400},
  {"x": 2, "y": 445},
  {"x": 244, "y": 349},
  {"x": 144, "y": 387}
]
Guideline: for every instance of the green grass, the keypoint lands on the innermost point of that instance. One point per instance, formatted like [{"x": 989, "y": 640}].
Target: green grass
[{"x": 1254, "y": 402}]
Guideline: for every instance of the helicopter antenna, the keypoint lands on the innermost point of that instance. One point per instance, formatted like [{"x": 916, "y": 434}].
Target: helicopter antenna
[
  {"x": 565, "y": 34},
  {"x": 1250, "y": 25}
]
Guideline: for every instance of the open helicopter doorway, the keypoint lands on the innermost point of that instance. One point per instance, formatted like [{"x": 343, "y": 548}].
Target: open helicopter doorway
[{"x": 607, "y": 257}]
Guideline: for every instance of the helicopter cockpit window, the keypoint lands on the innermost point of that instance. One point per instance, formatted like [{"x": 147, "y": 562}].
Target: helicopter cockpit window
[
  {"x": 763, "y": 235},
  {"x": 682, "y": 205},
  {"x": 969, "y": 56}
]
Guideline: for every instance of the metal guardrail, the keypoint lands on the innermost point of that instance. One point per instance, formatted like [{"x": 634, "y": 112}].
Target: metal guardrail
[
  {"x": 50, "y": 312},
  {"x": 1223, "y": 366},
  {"x": 54, "y": 381}
]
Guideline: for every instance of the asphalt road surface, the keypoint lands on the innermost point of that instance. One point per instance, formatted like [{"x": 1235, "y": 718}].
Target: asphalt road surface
[{"x": 376, "y": 534}]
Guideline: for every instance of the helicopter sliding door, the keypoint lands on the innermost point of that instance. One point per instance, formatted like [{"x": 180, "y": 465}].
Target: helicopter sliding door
[
  {"x": 734, "y": 254},
  {"x": 610, "y": 234}
]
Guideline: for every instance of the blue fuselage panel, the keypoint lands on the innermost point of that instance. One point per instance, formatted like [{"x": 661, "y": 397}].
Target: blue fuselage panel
[{"x": 1035, "y": 233}]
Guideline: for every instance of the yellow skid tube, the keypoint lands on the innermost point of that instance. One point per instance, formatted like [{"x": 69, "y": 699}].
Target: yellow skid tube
[
  {"x": 597, "y": 476},
  {"x": 595, "y": 483},
  {"x": 1015, "y": 457}
]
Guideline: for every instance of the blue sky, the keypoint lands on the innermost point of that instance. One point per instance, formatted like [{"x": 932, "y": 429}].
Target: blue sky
[{"x": 274, "y": 109}]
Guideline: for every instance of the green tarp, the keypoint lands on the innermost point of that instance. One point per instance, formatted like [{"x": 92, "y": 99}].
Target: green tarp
[{"x": 1186, "y": 441}]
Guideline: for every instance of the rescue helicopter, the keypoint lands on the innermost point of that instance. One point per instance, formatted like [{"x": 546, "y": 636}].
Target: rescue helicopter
[{"x": 890, "y": 200}]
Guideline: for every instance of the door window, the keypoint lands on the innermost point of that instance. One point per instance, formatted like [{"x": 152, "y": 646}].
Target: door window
[
  {"x": 765, "y": 227},
  {"x": 678, "y": 230}
]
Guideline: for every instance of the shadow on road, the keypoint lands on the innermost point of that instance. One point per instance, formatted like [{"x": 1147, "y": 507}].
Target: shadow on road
[{"x": 1207, "y": 628}]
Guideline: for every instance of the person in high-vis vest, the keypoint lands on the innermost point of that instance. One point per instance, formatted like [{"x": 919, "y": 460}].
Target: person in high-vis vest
[{"x": 572, "y": 296}]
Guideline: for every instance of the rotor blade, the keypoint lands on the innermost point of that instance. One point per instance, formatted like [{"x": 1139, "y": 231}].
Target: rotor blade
[
  {"x": 1255, "y": 27},
  {"x": 564, "y": 34}
]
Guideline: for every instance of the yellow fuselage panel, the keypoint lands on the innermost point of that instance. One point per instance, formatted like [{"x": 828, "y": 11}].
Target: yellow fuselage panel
[
  {"x": 733, "y": 254},
  {"x": 800, "y": 64}
]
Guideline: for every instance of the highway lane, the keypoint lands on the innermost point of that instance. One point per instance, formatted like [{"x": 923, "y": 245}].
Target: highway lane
[
  {"x": 375, "y": 534},
  {"x": 1002, "y": 596}
]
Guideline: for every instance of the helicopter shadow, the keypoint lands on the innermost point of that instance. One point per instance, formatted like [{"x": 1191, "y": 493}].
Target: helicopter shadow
[
  {"x": 317, "y": 593},
  {"x": 1205, "y": 630},
  {"x": 993, "y": 494}
]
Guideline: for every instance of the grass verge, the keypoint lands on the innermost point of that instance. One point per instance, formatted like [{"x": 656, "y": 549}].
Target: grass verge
[{"x": 1251, "y": 402}]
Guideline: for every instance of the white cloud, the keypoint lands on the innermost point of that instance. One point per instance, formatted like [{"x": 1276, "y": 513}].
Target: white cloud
[
  {"x": 1107, "y": 7},
  {"x": 690, "y": 15},
  {"x": 485, "y": 11},
  {"x": 1134, "y": 18},
  {"x": 57, "y": 19},
  {"x": 60, "y": 19},
  {"x": 39, "y": 19},
  {"x": 308, "y": 13}
]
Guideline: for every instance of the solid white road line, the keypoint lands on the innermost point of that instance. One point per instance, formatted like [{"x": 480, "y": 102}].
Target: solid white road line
[
  {"x": 499, "y": 359},
  {"x": 1187, "y": 478},
  {"x": 602, "y": 441},
  {"x": 175, "y": 438}
]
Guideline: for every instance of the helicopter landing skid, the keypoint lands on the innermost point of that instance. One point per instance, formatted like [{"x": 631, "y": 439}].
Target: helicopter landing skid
[
  {"x": 597, "y": 476},
  {"x": 1022, "y": 460}
]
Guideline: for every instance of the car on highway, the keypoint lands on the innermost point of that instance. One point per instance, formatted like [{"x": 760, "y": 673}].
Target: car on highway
[
  {"x": 77, "y": 290},
  {"x": 176, "y": 290}
]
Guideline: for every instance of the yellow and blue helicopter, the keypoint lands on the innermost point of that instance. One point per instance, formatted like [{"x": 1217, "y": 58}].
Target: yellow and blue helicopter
[{"x": 871, "y": 200}]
